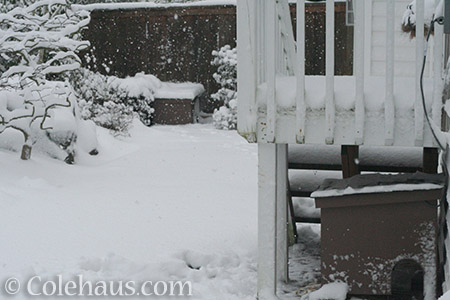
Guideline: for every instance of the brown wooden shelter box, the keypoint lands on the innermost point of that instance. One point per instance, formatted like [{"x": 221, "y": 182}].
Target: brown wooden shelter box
[
  {"x": 175, "y": 111},
  {"x": 379, "y": 233}
]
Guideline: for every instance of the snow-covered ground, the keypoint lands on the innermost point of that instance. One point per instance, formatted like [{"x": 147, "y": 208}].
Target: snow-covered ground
[{"x": 167, "y": 203}]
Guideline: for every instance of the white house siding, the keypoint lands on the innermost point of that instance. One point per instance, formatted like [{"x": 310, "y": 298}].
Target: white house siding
[{"x": 405, "y": 55}]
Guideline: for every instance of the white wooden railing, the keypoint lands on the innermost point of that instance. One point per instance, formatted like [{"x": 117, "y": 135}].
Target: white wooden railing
[{"x": 267, "y": 49}]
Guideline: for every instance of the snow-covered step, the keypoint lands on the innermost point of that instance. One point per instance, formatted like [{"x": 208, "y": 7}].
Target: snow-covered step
[
  {"x": 373, "y": 159},
  {"x": 305, "y": 210},
  {"x": 304, "y": 182},
  {"x": 314, "y": 157}
]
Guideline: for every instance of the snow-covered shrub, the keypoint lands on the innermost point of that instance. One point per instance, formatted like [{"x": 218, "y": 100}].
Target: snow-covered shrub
[
  {"x": 138, "y": 92},
  {"x": 47, "y": 118},
  {"x": 409, "y": 16},
  {"x": 100, "y": 103},
  {"x": 226, "y": 116},
  {"x": 226, "y": 60},
  {"x": 41, "y": 42},
  {"x": 111, "y": 102}
]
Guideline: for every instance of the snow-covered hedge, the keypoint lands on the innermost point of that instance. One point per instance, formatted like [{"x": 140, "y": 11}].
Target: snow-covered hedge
[
  {"x": 112, "y": 102},
  {"x": 40, "y": 42},
  {"x": 226, "y": 60}
]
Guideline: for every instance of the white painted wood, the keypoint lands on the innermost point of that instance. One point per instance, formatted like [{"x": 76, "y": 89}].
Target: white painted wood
[
  {"x": 278, "y": 44},
  {"x": 389, "y": 107},
  {"x": 246, "y": 69},
  {"x": 287, "y": 37},
  {"x": 260, "y": 41},
  {"x": 300, "y": 100},
  {"x": 296, "y": 123},
  {"x": 270, "y": 71},
  {"x": 438, "y": 66},
  {"x": 359, "y": 70},
  {"x": 368, "y": 39},
  {"x": 267, "y": 220},
  {"x": 282, "y": 213},
  {"x": 418, "y": 109},
  {"x": 405, "y": 58},
  {"x": 330, "y": 109}
]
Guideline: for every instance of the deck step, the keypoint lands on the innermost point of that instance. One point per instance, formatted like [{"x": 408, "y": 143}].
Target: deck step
[
  {"x": 304, "y": 182},
  {"x": 307, "y": 220},
  {"x": 305, "y": 210},
  {"x": 363, "y": 168},
  {"x": 371, "y": 159}
]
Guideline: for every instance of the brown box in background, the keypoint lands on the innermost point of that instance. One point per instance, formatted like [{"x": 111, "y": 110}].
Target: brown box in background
[{"x": 175, "y": 111}]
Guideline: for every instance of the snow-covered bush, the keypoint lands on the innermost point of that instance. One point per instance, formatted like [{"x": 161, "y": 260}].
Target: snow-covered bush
[
  {"x": 112, "y": 102},
  {"x": 100, "y": 103},
  {"x": 41, "y": 42},
  {"x": 226, "y": 60},
  {"x": 409, "y": 16},
  {"x": 7, "y": 5},
  {"x": 226, "y": 116}
]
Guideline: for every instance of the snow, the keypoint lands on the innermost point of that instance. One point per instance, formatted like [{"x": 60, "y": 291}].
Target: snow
[
  {"x": 149, "y": 86},
  {"x": 345, "y": 92},
  {"x": 305, "y": 207},
  {"x": 409, "y": 16},
  {"x": 136, "y": 86},
  {"x": 335, "y": 291},
  {"x": 138, "y": 5},
  {"x": 310, "y": 180},
  {"x": 147, "y": 207},
  {"x": 376, "y": 189},
  {"x": 368, "y": 156},
  {"x": 185, "y": 90},
  {"x": 446, "y": 296}
]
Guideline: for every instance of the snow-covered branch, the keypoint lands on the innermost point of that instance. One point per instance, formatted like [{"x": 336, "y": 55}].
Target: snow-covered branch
[{"x": 41, "y": 43}]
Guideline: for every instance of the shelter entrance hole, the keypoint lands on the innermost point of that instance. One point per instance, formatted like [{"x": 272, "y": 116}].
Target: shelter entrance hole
[{"x": 407, "y": 281}]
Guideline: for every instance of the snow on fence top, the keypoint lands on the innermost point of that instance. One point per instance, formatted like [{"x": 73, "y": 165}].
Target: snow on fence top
[{"x": 140, "y": 5}]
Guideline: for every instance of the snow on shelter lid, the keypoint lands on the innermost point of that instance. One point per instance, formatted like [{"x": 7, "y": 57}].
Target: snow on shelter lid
[{"x": 379, "y": 183}]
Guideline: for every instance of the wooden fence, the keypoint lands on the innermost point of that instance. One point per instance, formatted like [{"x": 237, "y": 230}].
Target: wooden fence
[{"x": 175, "y": 43}]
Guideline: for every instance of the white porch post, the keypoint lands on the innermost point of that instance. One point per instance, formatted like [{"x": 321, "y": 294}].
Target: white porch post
[
  {"x": 282, "y": 214},
  {"x": 272, "y": 218}
]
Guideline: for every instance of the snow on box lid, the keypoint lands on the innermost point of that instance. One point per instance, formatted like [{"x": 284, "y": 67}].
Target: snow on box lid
[
  {"x": 379, "y": 183},
  {"x": 184, "y": 90}
]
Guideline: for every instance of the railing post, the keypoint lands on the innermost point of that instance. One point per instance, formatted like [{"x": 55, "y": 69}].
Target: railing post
[
  {"x": 267, "y": 221},
  {"x": 270, "y": 67},
  {"x": 301, "y": 105},
  {"x": 330, "y": 109},
  {"x": 246, "y": 68},
  {"x": 389, "y": 106},
  {"x": 287, "y": 36},
  {"x": 282, "y": 213},
  {"x": 359, "y": 70}
]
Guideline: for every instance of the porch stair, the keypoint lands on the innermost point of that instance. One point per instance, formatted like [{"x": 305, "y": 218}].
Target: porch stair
[{"x": 309, "y": 165}]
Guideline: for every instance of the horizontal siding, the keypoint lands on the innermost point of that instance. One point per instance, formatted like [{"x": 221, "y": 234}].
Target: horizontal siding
[
  {"x": 405, "y": 53},
  {"x": 379, "y": 7}
]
